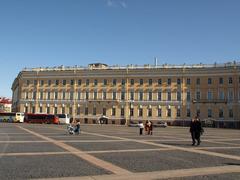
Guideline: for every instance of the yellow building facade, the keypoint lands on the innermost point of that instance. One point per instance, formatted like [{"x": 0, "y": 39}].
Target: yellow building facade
[{"x": 125, "y": 95}]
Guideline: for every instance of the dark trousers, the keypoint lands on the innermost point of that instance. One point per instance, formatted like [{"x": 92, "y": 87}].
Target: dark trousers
[
  {"x": 195, "y": 136},
  {"x": 140, "y": 131}
]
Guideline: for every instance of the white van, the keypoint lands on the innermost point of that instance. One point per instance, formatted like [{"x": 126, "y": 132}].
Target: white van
[
  {"x": 64, "y": 118},
  {"x": 19, "y": 117}
]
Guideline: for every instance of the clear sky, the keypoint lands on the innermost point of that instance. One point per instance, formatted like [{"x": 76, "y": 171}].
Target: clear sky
[{"x": 46, "y": 33}]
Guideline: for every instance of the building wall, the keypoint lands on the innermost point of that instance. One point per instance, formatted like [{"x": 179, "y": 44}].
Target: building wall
[{"x": 31, "y": 90}]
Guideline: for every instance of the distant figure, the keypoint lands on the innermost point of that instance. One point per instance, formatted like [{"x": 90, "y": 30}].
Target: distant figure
[
  {"x": 141, "y": 127},
  {"x": 77, "y": 128},
  {"x": 196, "y": 130},
  {"x": 150, "y": 128},
  {"x": 146, "y": 127}
]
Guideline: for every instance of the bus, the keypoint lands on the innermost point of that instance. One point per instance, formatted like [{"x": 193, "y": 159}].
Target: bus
[
  {"x": 64, "y": 118},
  {"x": 41, "y": 118},
  {"x": 12, "y": 117}
]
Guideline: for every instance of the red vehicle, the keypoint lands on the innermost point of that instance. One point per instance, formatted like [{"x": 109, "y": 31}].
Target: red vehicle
[{"x": 41, "y": 118}]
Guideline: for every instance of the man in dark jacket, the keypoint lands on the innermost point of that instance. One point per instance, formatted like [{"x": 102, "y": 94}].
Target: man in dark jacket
[{"x": 196, "y": 130}]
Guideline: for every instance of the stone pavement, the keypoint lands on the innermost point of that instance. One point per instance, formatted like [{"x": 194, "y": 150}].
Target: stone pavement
[{"x": 36, "y": 151}]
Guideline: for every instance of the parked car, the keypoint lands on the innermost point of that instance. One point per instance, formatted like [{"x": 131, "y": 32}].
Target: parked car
[{"x": 160, "y": 124}]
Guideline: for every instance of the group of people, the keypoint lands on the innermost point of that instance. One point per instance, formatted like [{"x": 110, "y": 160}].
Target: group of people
[
  {"x": 148, "y": 126},
  {"x": 196, "y": 129},
  {"x": 74, "y": 127}
]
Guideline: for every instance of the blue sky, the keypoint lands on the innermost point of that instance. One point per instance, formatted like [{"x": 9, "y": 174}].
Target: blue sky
[{"x": 36, "y": 33}]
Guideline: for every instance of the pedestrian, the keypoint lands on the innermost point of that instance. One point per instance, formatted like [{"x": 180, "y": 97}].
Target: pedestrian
[
  {"x": 146, "y": 127},
  {"x": 77, "y": 129},
  {"x": 141, "y": 127},
  {"x": 196, "y": 130},
  {"x": 150, "y": 127}
]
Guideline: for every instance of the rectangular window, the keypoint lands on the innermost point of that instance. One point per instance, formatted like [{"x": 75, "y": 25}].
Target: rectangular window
[
  {"x": 159, "y": 81},
  {"x": 150, "y": 82},
  {"x": 86, "y": 110},
  {"x": 178, "y": 81},
  {"x": 198, "y": 95},
  {"x": 230, "y": 113},
  {"x": 78, "y": 111},
  {"x": 41, "y": 82},
  {"x": 131, "y": 112},
  {"x": 209, "y": 95},
  {"x": 63, "y": 110},
  {"x": 33, "y": 109},
  {"x": 178, "y": 96},
  {"x": 122, "y": 95},
  {"x": 188, "y": 96},
  {"x": 49, "y": 82},
  {"x": 132, "y": 95},
  {"x": 159, "y": 95},
  {"x": 209, "y": 80},
  {"x": 87, "y": 95},
  {"x": 178, "y": 112},
  {"x": 169, "y": 81},
  {"x": 72, "y": 82},
  {"x": 57, "y": 82},
  {"x": 64, "y": 82},
  {"x": 140, "y": 112},
  {"x": 35, "y": 82},
  {"x": 26, "y": 95},
  {"x": 150, "y": 95},
  {"x": 150, "y": 112},
  {"x": 48, "y": 95},
  {"x": 104, "y": 95},
  {"x": 40, "y": 109},
  {"x": 79, "y": 95},
  {"x": 28, "y": 82},
  {"x": 220, "y": 113},
  {"x": 123, "y": 82},
  {"x": 104, "y": 111},
  {"x": 113, "y": 111},
  {"x": 87, "y": 82},
  {"x": 141, "y": 96},
  {"x": 114, "y": 95},
  {"x": 221, "y": 95},
  {"x": 114, "y": 82},
  {"x": 63, "y": 95},
  {"x": 55, "y": 110},
  {"x": 105, "y": 82},
  {"x": 132, "y": 82},
  {"x": 230, "y": 80},
  {"x": 230, "y": 95},
  {"x": 209, "y": 113},
  {"x": 169, "y": 112},
  {"x": 48, "y": 110},
  {"x": 95, "y": 95},
  {"x": 71, "y": 95},
  {"x": 41, "y": 95},
  {"x": 141, "y": 82},
  {"x": 188, "y": 81},
  {"x": 34, "y": 94},
  {"x": 220, "y": 80},
  {"x": 198, "y": 81},
  {"x": 70, "y": 110},
  {"x": 159, "y": 112},
  {"x": 188, "y": 112},
  {"x": 94, "y": 111},
  {"x": 95, "y": 82},
  {"x": 79, "y": 82},
  {"x": 169, "y": 96},
  {"x": 122, "y": 112},
  {"x": 55, "y": 95}
]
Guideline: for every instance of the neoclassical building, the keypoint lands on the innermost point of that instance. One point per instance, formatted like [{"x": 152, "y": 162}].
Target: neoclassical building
[{"x": 124, "y": 95}]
